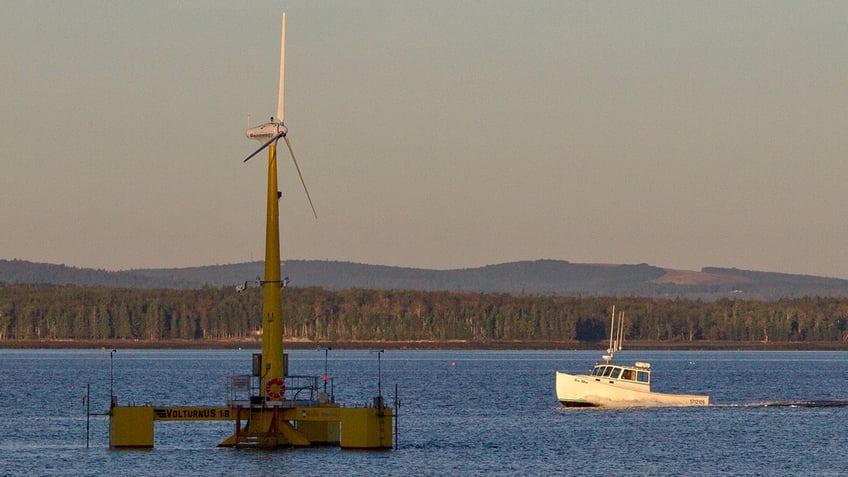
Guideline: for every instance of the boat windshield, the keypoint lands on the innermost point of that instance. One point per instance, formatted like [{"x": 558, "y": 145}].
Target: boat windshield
[{"x": 626, "y": 374}]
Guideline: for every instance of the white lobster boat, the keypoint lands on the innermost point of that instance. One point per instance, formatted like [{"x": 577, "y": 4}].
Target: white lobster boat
[{"x": 615, "y": 385}]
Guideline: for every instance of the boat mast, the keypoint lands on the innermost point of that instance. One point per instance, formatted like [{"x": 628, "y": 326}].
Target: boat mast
[
  {"x": 616, "y": 335},
  {"x": 620, "y": 329},
  {"x": 611, "y": 349}
]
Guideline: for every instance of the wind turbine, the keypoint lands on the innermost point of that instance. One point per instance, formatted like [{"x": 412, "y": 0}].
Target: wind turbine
[
  {"x": 270, "y": 132},
  {"x": 273, "y": 372}
]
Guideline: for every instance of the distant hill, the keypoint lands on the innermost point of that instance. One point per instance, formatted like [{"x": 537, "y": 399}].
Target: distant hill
[{"x": 539, "y": 277}]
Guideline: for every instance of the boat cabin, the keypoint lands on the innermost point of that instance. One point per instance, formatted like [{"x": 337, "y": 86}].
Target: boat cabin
[{"x": 640, "y": 373}]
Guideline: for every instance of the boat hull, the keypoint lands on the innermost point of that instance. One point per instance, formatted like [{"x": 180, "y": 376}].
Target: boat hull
[{"x": 590, "y": 391}]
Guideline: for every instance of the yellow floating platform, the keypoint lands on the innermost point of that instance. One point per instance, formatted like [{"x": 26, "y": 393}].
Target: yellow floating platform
[{"x": 263, "y": 426}]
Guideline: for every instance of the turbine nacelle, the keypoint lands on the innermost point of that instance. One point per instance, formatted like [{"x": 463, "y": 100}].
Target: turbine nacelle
[{"x": 264, "y": 132}]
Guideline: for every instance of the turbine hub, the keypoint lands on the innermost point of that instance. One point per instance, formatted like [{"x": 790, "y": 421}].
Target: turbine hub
[{"x": 266, "y": 131}]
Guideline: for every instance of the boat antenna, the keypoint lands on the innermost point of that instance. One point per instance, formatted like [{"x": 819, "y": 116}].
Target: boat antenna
[
  {"x": 620, "y": 329},
  {"x": 611, "y": 348}
]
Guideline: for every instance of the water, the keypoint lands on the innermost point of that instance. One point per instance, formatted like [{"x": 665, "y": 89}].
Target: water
[{"x": 462, "y": 413}]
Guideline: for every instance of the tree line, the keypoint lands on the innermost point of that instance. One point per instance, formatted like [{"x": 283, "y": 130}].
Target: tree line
[{"x": 84, "y": 313}]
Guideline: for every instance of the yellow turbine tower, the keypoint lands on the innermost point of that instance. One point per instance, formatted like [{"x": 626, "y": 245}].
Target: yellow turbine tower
[{"x": 273, "y": 366}]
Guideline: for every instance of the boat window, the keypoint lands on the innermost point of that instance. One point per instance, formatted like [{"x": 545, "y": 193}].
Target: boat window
[
  {"x": 642, "y": 376},
  {"x": 596, "y": 371},
  {"x": 615, "y": 373},
  {"x": 629, "y": 375},
  {"x": 608, "y": 371}
]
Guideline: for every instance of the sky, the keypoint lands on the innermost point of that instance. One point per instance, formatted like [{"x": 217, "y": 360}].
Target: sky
[{"x": 432, "y": 134}]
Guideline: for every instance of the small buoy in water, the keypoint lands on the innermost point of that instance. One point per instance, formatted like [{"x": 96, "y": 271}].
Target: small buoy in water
[{"x": 453, "y": 364}]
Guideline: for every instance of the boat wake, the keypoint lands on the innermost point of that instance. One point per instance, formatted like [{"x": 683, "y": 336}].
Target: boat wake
[{"x": 789, "y": 404}]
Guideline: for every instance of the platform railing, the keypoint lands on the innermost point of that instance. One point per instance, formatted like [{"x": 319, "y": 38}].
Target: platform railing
[{"x": 301, "y": 390}]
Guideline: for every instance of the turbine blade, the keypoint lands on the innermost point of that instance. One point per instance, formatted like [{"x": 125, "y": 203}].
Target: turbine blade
[
  {"x": 281, "y": 94},
  {"x": 263, "y": 147},
  {"x": 291, "y": 151}
]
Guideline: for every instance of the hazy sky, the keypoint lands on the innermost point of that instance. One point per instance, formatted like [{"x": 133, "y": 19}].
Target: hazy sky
[{"x": 436, "y": 134}]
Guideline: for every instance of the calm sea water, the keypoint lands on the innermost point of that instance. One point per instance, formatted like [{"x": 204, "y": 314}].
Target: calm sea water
[{"x": 462, "y": 413}]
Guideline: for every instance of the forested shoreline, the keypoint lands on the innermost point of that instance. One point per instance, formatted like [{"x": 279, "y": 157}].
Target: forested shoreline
[{"x": 53, "y": 314}]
